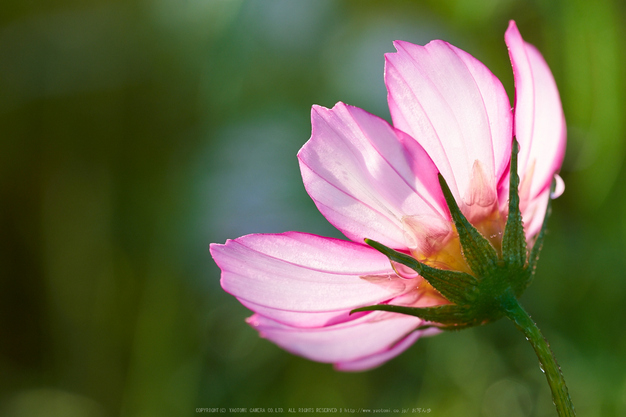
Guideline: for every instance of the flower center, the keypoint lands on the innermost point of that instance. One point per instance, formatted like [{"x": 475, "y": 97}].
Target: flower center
[{"x": 442, "y": 250}]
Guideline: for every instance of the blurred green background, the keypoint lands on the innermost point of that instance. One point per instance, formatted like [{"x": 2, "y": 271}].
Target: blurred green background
[{"x": 134, "y": 133}]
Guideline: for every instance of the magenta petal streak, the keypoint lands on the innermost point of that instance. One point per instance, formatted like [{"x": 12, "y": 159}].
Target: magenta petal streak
[{"x": 372, "y": 180}]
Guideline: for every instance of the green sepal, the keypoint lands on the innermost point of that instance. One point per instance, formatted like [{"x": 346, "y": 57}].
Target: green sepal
[
  {"x": 448, "y": 314},
  {"x": 514, "y": 240},
  {"x": 457, "y": 287},
  {"x": 478, "y": 252},
  {"x": 448, "y": 327}
]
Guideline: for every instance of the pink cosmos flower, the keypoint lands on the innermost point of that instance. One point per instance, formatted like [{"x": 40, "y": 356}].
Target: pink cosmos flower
[{"x": 451, "y": 115}]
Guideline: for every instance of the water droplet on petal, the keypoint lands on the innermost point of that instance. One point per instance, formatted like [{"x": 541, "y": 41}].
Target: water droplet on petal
[
  {"x": 559, "y": 188},
  {"x": 404, "y": 271}
]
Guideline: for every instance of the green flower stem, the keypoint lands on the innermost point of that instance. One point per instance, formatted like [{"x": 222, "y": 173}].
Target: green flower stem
[{"x": 548, "y": 364}]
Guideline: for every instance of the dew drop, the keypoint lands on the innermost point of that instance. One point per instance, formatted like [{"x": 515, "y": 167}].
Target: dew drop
[{"x": 559, "y": 188}]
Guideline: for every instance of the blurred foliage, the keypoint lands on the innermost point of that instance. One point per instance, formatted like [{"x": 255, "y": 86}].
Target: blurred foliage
[{"x": 134, "y": 133}]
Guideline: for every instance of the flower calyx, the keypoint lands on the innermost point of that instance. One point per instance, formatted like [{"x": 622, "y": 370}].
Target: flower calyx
[{"x": 497, "y": 279}]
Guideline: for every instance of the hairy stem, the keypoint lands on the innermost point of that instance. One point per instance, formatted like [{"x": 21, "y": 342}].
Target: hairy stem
[{"x": 547, "y": 361}]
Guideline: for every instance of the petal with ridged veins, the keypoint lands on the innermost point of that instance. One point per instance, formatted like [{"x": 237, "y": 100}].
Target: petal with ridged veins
[
  {"x": 365, "y": 176},
  {"x": 457, "y": 110},
  {"x": 304, "y": 280}
]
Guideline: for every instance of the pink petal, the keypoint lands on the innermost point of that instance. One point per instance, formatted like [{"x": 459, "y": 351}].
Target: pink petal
[
  {"x": 369, "y": 335},
  {"x": 366, "y": 177},
  {"x": 303, "y": 319},
  {"x": 533, "y": 214},
  {"x": 539, "y": 120},
  {"x": 304, "y": 273},
  {"x": 457, "y": 110},
  {"x": 534, "y": 209},
  {"x": 378, "y": 359}
]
